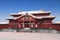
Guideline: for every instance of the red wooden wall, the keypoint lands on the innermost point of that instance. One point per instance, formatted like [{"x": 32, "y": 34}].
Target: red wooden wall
[
  {"x": 2, "y": 26},
  {"x": 56, "y": 26}
]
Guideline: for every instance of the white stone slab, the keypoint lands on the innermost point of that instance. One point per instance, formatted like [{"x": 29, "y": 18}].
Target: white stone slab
[{"x": 28, "y": 36}]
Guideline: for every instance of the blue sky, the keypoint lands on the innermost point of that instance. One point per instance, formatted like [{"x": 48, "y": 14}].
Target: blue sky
[{"x": 12, "y": 6}]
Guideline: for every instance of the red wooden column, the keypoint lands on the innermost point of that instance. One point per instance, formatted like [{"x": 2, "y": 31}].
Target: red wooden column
[
  {"x": 50, "y": 25},
  {"x": 34, "y": 24},
  {"x": 30, "y": 23},
  {"x": 19, "y": 25},
  {"x": 23, "y": 24},
  {"x": 10, "y": 25}
]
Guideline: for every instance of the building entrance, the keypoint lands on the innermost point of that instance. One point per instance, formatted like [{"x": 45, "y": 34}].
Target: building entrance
[{"x": 27, "y": 24}]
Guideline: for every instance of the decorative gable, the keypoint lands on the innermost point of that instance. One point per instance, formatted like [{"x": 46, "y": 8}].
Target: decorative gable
[{"x": 26, "y": 18}]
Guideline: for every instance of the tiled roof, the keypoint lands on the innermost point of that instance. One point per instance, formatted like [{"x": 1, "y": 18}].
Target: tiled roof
[
  {"x": 4, "y": 22},
  {"x": 30, "y": 12},
  {"x": 37, "y": 17}
]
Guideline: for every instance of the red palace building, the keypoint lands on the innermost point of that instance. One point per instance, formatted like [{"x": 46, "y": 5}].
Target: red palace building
[{"x": 31, "y": 21}]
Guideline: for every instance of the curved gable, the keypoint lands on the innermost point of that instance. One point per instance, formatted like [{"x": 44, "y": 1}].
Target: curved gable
[{"x": 26, "y": 18}]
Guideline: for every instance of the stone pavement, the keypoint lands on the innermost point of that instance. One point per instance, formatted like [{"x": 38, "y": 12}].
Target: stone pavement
[{"x": 28, "y": 36}]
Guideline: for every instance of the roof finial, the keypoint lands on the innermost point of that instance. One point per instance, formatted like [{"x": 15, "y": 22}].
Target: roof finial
[
  {"x": 26, "y": 13},
  {"x": 42, "y": 10}
]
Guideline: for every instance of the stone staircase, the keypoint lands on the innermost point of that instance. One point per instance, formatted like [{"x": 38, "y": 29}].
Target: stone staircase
[{"x": 25, "y": 30}]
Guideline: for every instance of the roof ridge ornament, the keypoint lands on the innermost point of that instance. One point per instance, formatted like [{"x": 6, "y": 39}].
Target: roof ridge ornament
[
  {"x": 33, "y": 12},
  {"x": 26, "y": 13},
  {"x": 42, "y": 10}
]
